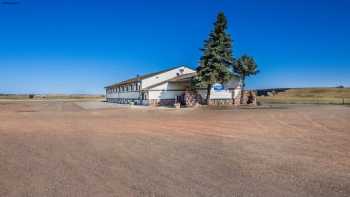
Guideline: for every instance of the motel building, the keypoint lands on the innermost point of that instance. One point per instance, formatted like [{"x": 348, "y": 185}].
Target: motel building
[{"x": 168, "y": 87}]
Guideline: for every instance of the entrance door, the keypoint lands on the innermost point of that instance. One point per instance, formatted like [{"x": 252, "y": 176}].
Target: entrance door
[
  {"x": 181, "y": 100},
  {"x": 144, "y": 96}
]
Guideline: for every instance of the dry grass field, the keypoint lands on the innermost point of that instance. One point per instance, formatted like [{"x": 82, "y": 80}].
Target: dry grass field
[
  {"x": 61, "y": 149},
  {"x": 310, "y": 96},
  {"x": 43, "y": 97}
]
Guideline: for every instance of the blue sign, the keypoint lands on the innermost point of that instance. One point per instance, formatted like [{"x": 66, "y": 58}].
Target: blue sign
[{"x": 218, "y": 87}]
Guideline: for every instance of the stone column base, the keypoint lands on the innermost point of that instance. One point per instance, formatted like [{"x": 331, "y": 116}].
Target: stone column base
[{"x": 161, "y": 102}]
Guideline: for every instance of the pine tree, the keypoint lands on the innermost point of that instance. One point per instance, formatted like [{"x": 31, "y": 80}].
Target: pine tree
[{"x": 217, "y": 60}]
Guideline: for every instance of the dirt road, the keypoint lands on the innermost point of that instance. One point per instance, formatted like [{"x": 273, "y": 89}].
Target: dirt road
[{"x": 60, "y": 149}]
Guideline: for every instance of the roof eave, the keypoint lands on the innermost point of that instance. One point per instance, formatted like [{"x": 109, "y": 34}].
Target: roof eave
[{"x": 145, "y": 76}]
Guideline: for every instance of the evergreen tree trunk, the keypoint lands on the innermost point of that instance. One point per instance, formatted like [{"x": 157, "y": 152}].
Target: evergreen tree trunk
[
  {"x": 242, "y": 89},
  {"x": 208, "y": 93}
]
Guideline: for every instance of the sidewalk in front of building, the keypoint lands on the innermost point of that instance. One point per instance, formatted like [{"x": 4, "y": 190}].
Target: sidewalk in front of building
[{"x": 105, "y": 105}]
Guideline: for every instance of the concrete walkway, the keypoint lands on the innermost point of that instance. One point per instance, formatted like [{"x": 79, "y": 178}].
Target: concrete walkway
[{"x": 104, "y": 105}]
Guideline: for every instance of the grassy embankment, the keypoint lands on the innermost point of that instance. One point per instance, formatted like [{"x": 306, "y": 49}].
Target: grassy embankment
[{"x": 310, "y": 96}]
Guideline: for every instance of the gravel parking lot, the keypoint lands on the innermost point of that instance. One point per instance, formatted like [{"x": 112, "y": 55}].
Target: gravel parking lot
[
  {"x": 72, "y": 149},
  {"x": 100, "y": 105}
]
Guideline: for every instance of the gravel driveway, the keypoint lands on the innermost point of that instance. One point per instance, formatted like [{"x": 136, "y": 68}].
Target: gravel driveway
[{"x": 63, "y": 149}]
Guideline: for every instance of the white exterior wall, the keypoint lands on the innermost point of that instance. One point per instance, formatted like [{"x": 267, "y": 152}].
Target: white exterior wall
[
  {"x": 237, "y": 92},
  {"x": 116, "y": 92},
  {"x": 159, "y": 94},
  {"x": 164, "y": 76},
  {"x": 223, "y": 94},
  {"x": 126, "y": 95},
  {"x": 227, "y": 93},
  {"x": 167, "y": 91}
]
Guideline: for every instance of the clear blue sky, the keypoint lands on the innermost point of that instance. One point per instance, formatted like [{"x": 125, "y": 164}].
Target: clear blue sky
[{"x": 79, "y": 46}]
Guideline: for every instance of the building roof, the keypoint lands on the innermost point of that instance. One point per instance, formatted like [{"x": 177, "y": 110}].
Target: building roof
[
  {"x": 180, "y": 78},
  {"x": 183, "y": 77},
  {"x": 141, "y": 77}
]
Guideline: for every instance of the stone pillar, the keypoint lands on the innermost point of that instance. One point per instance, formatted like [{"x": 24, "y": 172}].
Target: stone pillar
[
  {"x": 237, "y": 101},
  {"x": 244, "y": 100},
  {"x": 237, "y": 98},
  {"x": 252, "y": 98},
  {"x": 192, "y": 98},
  {"x": 249, "y": 98}
]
